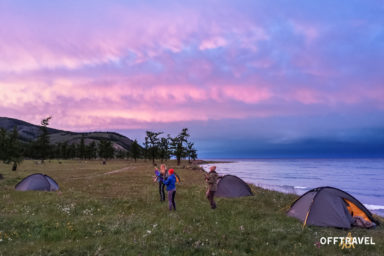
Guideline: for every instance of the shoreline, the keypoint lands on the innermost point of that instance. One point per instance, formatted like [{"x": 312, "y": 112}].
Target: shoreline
[{"x": 376, "y": 209}]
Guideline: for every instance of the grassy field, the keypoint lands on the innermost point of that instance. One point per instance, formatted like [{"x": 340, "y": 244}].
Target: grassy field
[{"x": 120, "y": 214}]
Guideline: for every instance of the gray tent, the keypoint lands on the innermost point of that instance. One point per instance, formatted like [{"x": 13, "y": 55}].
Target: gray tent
[
  {"x": 37, "y": 181},
  {"x": 330, "y": 207},
  {"x": 232, "y": 186}
]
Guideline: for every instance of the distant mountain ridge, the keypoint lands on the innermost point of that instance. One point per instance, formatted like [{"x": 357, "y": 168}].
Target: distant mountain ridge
[{"x": 30, "y": 132}]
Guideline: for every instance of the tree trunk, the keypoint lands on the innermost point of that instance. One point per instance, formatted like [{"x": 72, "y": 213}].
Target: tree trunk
[
  {"x": 178, "y": 160},
  {"x": 14, "y": 167}
]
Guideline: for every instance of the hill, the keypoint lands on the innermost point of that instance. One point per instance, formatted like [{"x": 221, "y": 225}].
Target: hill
[{"x": 29, "y": 132}]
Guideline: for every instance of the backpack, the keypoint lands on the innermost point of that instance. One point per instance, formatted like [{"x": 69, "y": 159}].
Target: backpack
[{"x": 178, "y": 180}]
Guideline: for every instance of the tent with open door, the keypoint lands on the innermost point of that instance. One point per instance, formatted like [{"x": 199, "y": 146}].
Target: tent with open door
[
  {"x": 232, "y": 186},
  {"x": 37, "y": 181},
  {"x": 331, "y": 207}
]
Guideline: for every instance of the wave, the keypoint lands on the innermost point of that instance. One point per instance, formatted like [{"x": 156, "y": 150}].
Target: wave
[
  {"x": 300, "y": 178},
  {"x": 280, "y": 188},
  {"x": 374, "y": 207},
  {"x": 288, "y": 189},
  {"x": 368, "y": 194}
]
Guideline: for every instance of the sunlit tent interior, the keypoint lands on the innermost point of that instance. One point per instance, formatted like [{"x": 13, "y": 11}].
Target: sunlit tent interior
[
  {"x": 331, "y": 207},
  {"x": 232, "y": 186},
  {"x": 37, "y": 181}
]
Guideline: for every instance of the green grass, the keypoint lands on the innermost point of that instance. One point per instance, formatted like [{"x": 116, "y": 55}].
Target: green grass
[{"x": 120, "y": 214}]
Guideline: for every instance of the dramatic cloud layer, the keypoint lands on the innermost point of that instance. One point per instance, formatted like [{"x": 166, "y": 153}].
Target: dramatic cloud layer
[{"x": 135, "y": 65}]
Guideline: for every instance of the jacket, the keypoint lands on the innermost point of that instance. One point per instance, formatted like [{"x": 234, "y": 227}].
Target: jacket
[
  {"x": 161, "y": 177},
  {"x": 170, "y": 182},
  {"x": 212, "y": 180}
]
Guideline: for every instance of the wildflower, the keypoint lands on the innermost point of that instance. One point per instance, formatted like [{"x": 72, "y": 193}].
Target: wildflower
[{"x": 149, "y": 231}]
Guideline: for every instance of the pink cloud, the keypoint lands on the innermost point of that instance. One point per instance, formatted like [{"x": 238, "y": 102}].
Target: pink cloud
[
  {"x": 248, "y": 94},
  {"x": 138, "y": 65},
  {"x": 212, "y": 43},
  {"x": 307, "y": 96},
  {"x": 32, "y": 43}
]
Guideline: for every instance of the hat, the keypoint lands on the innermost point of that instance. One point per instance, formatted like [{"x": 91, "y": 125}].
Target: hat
[{"x": 171, "y": 171}]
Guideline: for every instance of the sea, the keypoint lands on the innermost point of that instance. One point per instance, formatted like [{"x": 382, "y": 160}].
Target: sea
[{"x": 362, "y": 178}]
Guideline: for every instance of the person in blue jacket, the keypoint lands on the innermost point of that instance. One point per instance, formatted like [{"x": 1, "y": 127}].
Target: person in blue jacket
[{"x": 170, "y": 182}]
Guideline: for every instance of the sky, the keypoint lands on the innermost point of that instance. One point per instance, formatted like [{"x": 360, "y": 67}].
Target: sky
[{"x": 248, "y": 78}]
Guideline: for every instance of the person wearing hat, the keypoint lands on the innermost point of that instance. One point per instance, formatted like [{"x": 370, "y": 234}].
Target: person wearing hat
[
  {"x": 211, "y": 179},
  {"x": 170, "y": 182}
]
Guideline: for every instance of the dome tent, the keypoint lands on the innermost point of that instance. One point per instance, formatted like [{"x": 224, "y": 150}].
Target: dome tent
[
  {"x": 37, "y": 181},
  {"x": 232, "y": 186},
  {"x": 330, "y": 207}
]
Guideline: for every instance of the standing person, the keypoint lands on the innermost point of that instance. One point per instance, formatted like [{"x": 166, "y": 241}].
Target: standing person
[
  {"x": 160, "y": 177},
  {"x": 171, "y": 188},
  {"x": 211, "y": 179}
]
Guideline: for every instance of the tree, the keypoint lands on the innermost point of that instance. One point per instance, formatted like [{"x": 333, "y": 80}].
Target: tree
[
  {"x": 56, "y": 150},
  {"x": 106, "y": 149},
  {"x": 64, "y": 151},
  {"x": 2, "y": 146},
  {"x": 82, "y": 153},
  {"x": 153, "y": 144},
  {"x": 15, "y": 155},
  {"x": 91, "y": 150},
  {"x": 42, "y": 144},
  {"x": 191, "y": 152},
  {"x": 3, "y": 143},
  {"x": 164, "y": 152},
  {"x": 177, "y": 145},
  {"x": 135, "y": 150},
  {"x": 10, "y": 149},
  {"x": 145, "y": 149},
  {"x": 121, "y": 154},
  {"x": 71, "y": 153}
]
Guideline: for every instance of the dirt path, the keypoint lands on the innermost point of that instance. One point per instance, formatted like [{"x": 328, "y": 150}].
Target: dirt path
[
  {"x": 105, "y": 173},
  {"x": 118, "y": 170}
]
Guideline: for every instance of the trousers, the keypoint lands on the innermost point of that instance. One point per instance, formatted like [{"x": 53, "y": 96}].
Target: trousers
[
  {"x": 162, "y": 191},
  {"x": 171, "y": 199},
  {"x": 211, "y": 198}
]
